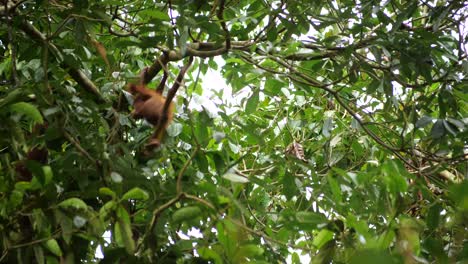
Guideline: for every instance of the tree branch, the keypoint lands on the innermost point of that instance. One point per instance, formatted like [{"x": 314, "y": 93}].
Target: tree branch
[{"x": 199, "y": 49}]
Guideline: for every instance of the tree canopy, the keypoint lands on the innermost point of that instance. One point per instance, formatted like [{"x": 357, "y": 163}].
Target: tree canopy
[{"x": 341, "y": 136}]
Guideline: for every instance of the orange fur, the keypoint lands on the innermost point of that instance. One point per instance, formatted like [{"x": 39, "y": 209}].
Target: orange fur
[{"x": 149, "y": 104}]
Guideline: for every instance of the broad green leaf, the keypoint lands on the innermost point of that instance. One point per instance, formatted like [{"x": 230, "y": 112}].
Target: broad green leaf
[
  {"x": 457, "y": 123},
  {"x": 28, "y": 110},
  {"x": 22, "y": 186},
  {"x": 335, "y": 188},
  {"x": 385, "y": 239},
  {"x": 66, "y": 224},
  {"x": 43, "y": 174},
  {"x": 433, "y": 216},
  {"x": 423, "y": 121},
  {"x": 123, "y": 230},
  {"x": 210, "y": 254},
  {"x": 123, "y": 236},
  {"x": 202, "y": 162},
  {"x": 48, "y": 175},
  {"x": 136, "y": 194},
  {"x": 322, "y": 238},
  {"x": 252, "y": 102},
  {"x": 450, "y": 128},
  {"x": 251, "y": 250},
  {"x": 394, "y": 177},
  {"x": 106, "y": 209},
  {"x": 73, "y": 204},
  {"x": 201, "y": 130},
  {"x": 273, "y": 86},
  {"x": 53, "y": 247},
  {"x": 186, "y": 213},
  {"x": 123, "y": 214},
  {"x": 107, "y": 191},
  {"x": 306, "y": 217},
  {"x": 438, "y": 129},
  {"x": 16, "y": 197}
]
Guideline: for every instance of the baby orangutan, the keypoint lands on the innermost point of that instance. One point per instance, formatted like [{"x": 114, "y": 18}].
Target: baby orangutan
[
  {"x": 152, "y": 106},
  {"x": 149, "y": 104}
]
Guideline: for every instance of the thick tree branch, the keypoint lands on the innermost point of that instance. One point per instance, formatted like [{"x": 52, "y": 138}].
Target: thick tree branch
[{"x": 199, "y": 49}]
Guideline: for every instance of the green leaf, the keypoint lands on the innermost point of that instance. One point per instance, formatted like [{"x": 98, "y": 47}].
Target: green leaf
[
  {"x": 23, "y": 186},
  {"x": 386, "y": 239},
  {"x": 123, "y": 230},
  {"x": 106, "y": 209},
  {"x": 450, "y": 128},
  {"x": 335, "y": 189},
  {"x": 48, "y": 175},
  {"x": 210, "y": 254},
  {"x": 28, "y": 110},
  {"x": 306, "y": 217},
  {"x": 251, "y": 251},
  {"x": 201, "y": 130},
  {"x": 123, "y": 215},
  {"x": 423, "y": 121},
  {"x": 107, "y": 191},
  {"x": 66, "y": 224},
  {"x": 202, "y": 162},
  {"x": 136, "y": 194},
  {"x": 394, "y": 177},
  {"x": 53, "y": 247},
  {"x": 438, "y": 129},
  {"x": 457, "y": 123},
  {"x": 73, "y": 204},
  {"x": 186, "y": 213},
  {"x": 273, "y": 86},
  {"x": 123, "y": 236},
  {"x": 322, "y": 238},
  {"x": 43, "y": 174},
  {"x": 433, "y": 216},
  {"x": 16, "y": 198},
  {"x": 252, "y": 102}
]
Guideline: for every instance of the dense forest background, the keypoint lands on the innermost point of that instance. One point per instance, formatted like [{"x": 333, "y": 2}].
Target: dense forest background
[{"x": 341, "y": 136}]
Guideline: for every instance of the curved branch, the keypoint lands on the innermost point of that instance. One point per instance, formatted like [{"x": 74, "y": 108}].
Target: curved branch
[
  {"x": 198, "y": 49},
  {"x": 158, "y": 211}
]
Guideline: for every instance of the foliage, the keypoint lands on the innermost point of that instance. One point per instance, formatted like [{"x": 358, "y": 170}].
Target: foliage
[{"x": 345, "y": 139}]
